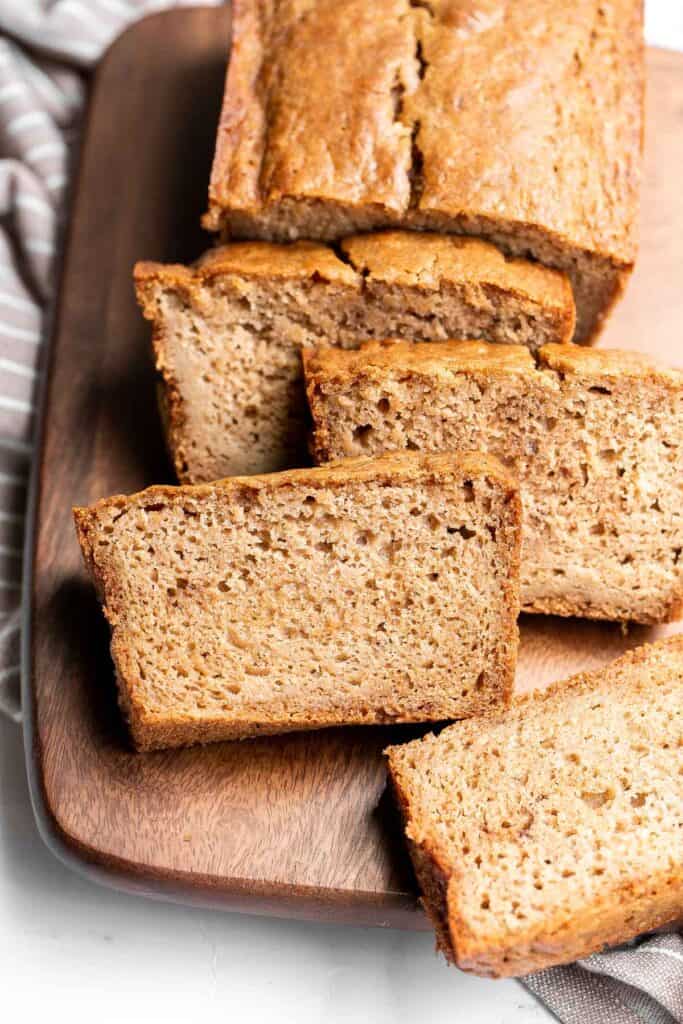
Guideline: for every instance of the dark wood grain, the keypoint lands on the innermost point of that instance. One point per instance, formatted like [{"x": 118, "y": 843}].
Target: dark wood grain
[{"x": 297, "y": 825}]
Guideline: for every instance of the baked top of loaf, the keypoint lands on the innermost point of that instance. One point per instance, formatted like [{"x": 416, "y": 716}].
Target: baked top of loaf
[
  {"x": 437, "y": 359},
  {"x": 299, "y": 260},
  {"x": 445, "y": 358},
  {"x": 420, "y": 259},
  {"x": 595, "y": 435},
  {"x": 370, "y": 591},
  {"x": 310, "y": 105},
  {"x": 608, "y": 362},
  {"x": 428, "y": 113},
  {"x": 227, "y": 332},
  {"x": 401, "y": 258},
  {"x": 542, "y": 833},
  {"x": 391, "y": 467}
]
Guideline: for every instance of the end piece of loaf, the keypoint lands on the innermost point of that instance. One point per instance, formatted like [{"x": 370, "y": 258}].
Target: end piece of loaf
[
  {"x": 370, "y": 591},
  {"x": 481, "y": 119},
  {"x": 227, "y": 333},
  {"x": 544, "y": 833},
  {"x": 595, "y": 435}
]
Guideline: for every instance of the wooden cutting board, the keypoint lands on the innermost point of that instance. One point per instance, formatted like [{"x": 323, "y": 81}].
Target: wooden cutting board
[{"x": 297, "y": 825}]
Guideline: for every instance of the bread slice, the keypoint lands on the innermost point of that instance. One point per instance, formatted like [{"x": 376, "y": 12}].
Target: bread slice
[
  {"x": 595, "y": 435},
  {"x": 482, "y": 119},
  {"x": 227, "y": 332},
  {"x": 372, "y": 590},
  {"x": 540, "y": 834}
]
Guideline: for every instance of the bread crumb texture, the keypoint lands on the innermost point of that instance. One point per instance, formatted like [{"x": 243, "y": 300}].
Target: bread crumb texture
[
  {"x": 480, "y": 118},
  {"x": 544, "y": 833},
  {"x": 595, "y": 435},
  {"x": 370, "y": 591},
  {"x": 228, "y": 332}
]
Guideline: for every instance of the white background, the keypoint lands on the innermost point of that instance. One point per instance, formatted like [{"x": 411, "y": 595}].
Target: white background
[{"x": 70, "y": 951}]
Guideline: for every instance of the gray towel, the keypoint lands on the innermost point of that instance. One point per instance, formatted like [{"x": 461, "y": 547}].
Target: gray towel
[{"x": 41, "y": 98}]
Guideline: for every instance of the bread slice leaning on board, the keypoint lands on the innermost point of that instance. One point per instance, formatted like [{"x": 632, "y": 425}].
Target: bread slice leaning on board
[
  {"x": 521, "y": 123},
  {"x": 541, "y": 833},
  {"x": 595, "y": 435},
  {"x": 368, "y": 591},
  {"x": 227, "y": 332}
]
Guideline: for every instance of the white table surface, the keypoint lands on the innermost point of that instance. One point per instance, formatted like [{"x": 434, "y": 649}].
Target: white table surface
[{"x": 70, "y": 950}]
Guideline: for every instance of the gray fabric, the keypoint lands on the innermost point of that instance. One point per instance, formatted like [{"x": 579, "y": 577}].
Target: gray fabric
[
  {"x": 575, "y": 997},
  {"x": 639, "y": 982},
  {"x": 655, "y": 966},
  {"x": 41, "y": 100}
]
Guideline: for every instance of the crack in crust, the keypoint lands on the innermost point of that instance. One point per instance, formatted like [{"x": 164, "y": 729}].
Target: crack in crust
[{"x": 405, "y": 140}]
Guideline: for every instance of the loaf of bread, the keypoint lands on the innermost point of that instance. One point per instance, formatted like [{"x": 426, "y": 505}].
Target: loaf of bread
[
  {"x": 595, "y": 435},
  {"x": 518, "y": 122},
  {"x": 541, "y": 834},
  {"x": 228, "y": 332},
  {"x": 370, "y": 591}
]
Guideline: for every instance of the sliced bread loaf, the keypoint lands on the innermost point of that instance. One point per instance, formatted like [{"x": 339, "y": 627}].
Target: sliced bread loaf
[
  {"x": 596, "y": 437},
  {"x": 373, "y": 590},
  {"x": 518, "y": 122},
  {"x": 227, "y": 333},
  {"x": 540, "y": 834}
]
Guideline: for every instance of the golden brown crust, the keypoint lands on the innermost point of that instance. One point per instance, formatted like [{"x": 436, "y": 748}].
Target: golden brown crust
[
  {"x": 270, "y": 260},
  {"x": 569, "y": 940},
  {"x": 664, "y": 613},
  {"x": 420, "y": 259},
  {"x": 435, "y": 359},
  {"x": 393, "y": 467},
  {"x": 465, "y": 356},
  {"x": 557, "y": 129},
  {"x": 610, "y": 362},
  {"x": 149, "y": 732},
  {"x": 615, "y": 917},
  {"x": 432, "y": 877},
  {"x": 339, "y": 113},
  {"x": 534, "y": 157},
  {"x": 538, "y": 145},
  {"x": 299, "y": 260},
  {"x": 403, "y": 258},
  {"x": 169, "y": 396}
]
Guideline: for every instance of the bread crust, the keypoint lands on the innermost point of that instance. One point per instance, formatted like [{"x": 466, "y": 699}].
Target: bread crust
[
  {"x": 528, "y": 158},
  {"x": 299, "y": 260},
  {"x": 609, "y": 362},
  {"x": 275, "y": 55},
  {"x": 402, "y": 258},
  {"x": 441, "y": 359},
  {"x": 459, "y": 355},
  {"x": 433, "y": 878},
  {"x": 671, "y": 611},
  {"x": 389, "y": 468},
  {"x": 420, "y": 260},
  {"x": 620, "y": 914}
]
